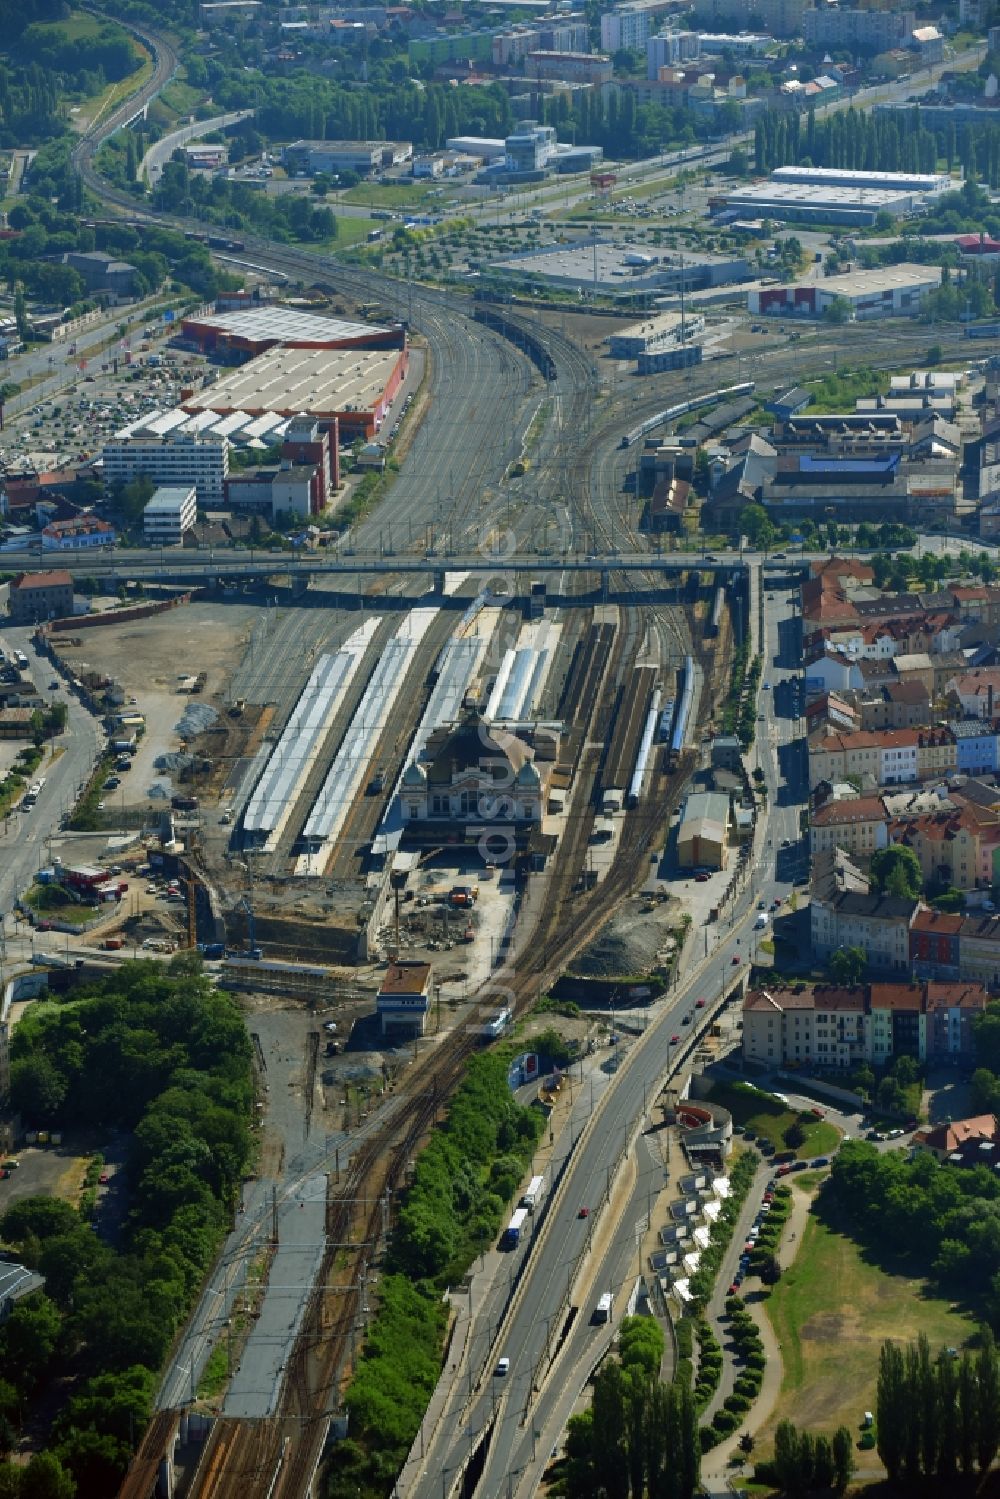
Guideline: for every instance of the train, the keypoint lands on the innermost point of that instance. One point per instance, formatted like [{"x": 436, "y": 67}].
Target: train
[
  {"x": 982, "y": 330},
  {"x": 682, "y": 717},
  {"x": 644, "y": 755},
  {"x": 666, "y": 719},
  {"x": 672, "y": 413},
  {"x": 491, "y": 317},
  {"x": 715, "y": 618}
]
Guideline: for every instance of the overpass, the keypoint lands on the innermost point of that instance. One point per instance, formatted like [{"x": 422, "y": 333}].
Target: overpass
[{"x": 209, "y": 567}]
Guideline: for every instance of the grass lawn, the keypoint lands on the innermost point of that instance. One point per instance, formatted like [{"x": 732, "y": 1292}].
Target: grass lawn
[
  {"x": 352, "y": 231},
  {"x": 45, "y": 902},
  {"x": 386, "y": 195},
  {"x": 831, "y": 1311},
  {"x": 768, "y": 1118}
]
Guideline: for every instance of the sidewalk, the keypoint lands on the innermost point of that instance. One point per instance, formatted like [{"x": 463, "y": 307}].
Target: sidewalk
[{"x": 715, "y": 1465}]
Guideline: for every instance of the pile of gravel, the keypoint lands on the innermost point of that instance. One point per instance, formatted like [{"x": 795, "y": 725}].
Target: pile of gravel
[
  {"x": 632, "y": 943},
  {"x": 196, "y": 719},
  {"x": 174, "y": 761}
]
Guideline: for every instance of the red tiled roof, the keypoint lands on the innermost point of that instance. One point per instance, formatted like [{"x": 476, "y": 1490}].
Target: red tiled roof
[
  {"x": 938, "y": 923},
  {"x": 58, "y": 578},
  {"x": 854, "y": 809}
]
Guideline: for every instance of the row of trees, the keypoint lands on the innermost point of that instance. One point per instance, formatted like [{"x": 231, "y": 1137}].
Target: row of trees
[
  {"x": 639, "y": 1439},
  {"x": 161, "y": 1054},
  {"x": 939, "y": 1416},
  {"x": 888, "y": 141},
  {"x": 803, "y": 1463}
]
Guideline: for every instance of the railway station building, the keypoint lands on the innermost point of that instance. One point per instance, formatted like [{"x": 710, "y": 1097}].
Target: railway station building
[{"x": 476, "y": 776}]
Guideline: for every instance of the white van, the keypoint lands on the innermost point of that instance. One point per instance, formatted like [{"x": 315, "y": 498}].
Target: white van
[{"x": 760, "y": 924}]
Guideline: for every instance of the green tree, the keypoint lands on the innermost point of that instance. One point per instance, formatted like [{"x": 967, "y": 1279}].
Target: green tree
[
  {"x": 838, "y": 311},
  {"x": 37, "y": 1090},
  {"x": 843, "y": 1458},
  {"x": 968, "y": 1415},
  {"x": 988, "y": 1385},
  {"x": 847, "y": 965},
  {"x": 755, "y": 525},
  {"x": 46, "y": 1478},
  {"x": 896, "y": 871},
  {"x": 891, "y": 1409}
]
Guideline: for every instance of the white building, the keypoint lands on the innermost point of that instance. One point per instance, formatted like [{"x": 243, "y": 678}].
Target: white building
[
  {"x": 170, "y": 513},
  {"x": 626, "y": 26},
  {"x": 186, "y": 458}
]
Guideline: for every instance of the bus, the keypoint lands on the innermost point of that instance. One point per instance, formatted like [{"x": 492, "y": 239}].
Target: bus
[
  {"x": 511, "y": 1236},
  {"x": 602, "y": 1311}
]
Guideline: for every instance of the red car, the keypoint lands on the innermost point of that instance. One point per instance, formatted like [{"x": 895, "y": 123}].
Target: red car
[
  {"x": 583, "y": 1213},
  {"x": 784, "y": 1170},
  {"x": 674, "y": 1040},
  {"x": 820, "y": 1114},
  {"x": 736, "y": 960},
  {"x": 700, "y": 1004},
  {"x": 104, "y": 1178},
  {"x": 701, "y": 879},
  {"x": 734, "y": 1289}
]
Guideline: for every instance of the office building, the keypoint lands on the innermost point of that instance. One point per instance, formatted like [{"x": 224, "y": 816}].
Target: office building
[
  {"x": 330, "y": 157},
  {"x": 179, "y": 458},
  {"x": 170, "y": 514}
]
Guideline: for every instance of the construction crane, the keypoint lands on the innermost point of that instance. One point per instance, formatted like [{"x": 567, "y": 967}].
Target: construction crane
[{"x": 246, "y": 904}]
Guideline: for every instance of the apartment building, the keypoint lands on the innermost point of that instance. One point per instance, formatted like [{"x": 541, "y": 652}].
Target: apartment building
[
  {"x": 976, "y": 745},
  {"x": 901, "y": 705},
  {"x": 878, "y": 924},
  {"x": 37, "y": 596},
  {"x": 824, "y": 1027},
  {"x": 946, "y": 845},
  {"x": 859, "y": 826},
  {"x": 886, "y": 758},
  {"x": 871, "y": 30},
  {"x": 177, "y": 459},
  {"x": 937, "y": 753}
]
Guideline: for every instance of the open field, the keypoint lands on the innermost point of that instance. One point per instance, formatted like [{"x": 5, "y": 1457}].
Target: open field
[
  {"x": 768, "y": 1118},
  {"x": 831, "y": 1311},
  {"x": 387, "y": 195}
]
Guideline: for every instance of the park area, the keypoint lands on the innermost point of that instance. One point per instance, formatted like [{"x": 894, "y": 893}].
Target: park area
[
  {"x": 831, "y": 1312},
  {"x": 769, "y": 1119}
]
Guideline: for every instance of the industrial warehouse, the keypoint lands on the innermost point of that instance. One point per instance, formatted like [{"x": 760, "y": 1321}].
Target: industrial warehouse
[
  {"x": 305, "y": 384},
  {"x": 620, "y": 270},
  {"x": 252, "y": 331},
  {"x": 798, "y": 194},
  {"x": 887, "y": 291},
  {"x": 354, "y": 387}
]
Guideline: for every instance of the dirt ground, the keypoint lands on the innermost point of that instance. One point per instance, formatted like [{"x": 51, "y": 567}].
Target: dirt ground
[
  {"x": 50, "y": 1171},
  {"x": 585, "y": 329},
  {"x": 147, "y": 657}
]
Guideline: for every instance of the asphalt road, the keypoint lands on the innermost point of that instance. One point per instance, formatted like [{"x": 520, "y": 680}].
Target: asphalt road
[{"x": 23, "y": 849}]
